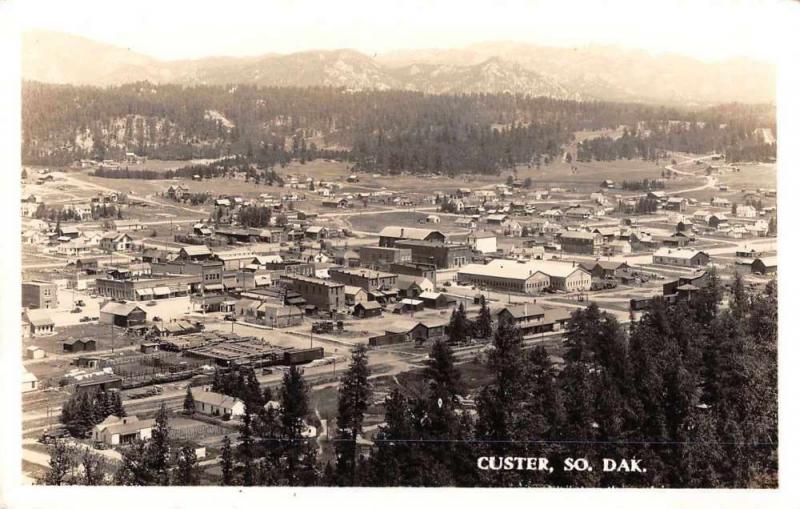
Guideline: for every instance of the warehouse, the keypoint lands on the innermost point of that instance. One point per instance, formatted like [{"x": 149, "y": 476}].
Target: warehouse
[
  {"x": 526, "y": 276},
  {"x": 680, "y": 257}
]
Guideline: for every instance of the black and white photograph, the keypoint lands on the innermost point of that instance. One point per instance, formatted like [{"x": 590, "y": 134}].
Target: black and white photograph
[{"x": 401, "y": 244}]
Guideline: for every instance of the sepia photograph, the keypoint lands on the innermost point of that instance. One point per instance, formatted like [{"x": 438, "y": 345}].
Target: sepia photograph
[{"x": 515, "y": 244}]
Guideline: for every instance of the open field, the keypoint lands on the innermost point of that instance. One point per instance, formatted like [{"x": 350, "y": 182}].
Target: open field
[{"x": 375, "y": 222}]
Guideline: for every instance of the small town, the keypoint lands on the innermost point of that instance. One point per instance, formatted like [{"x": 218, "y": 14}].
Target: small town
[
  {"x": 165, "y": 300},
  {"x": 300, "y": 245}
]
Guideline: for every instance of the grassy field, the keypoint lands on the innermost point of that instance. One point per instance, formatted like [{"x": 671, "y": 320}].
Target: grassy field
[{"x": 375, "y": 222}]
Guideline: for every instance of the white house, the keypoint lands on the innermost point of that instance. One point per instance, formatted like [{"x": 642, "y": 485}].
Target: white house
[
  {"x": 116, "y": 241},
  {"x": 115, "y": 430},
  {"x": 746, "y": 211},
  {"x": 483, "y": 242},
  {"x": 29, "y": 381},
  {"x": 216, "y": 404}
]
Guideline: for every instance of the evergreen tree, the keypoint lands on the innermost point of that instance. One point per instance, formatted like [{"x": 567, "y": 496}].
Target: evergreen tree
[
  {"x": 483, "y": 324},
  {"x": 60, "y": 465},
  {"x": 158, "y": 448},
  {"x": 188, "y": 402},
  {"x": 226, "y": 462},
  {"x": 186, "y": 466},
  {"x": 459, "y": 327},
  {"x": 354, "y": 394},
  {"x": 245, "y": 449}
]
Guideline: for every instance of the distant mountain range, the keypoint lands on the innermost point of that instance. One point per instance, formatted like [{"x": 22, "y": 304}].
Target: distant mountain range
[{"x": 591, "y": 73}]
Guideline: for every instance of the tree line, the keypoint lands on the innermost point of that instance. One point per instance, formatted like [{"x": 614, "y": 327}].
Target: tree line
[{"x": 385, "y": 131}]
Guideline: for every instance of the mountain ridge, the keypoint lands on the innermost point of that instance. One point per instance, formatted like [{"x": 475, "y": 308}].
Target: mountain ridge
[{"x": 589, "y": 73}]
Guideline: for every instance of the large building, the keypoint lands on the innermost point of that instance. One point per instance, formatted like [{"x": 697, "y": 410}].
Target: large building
[
  {"x": 581, "y": 242},
  {"x": 391, "y": 234},
  {"x": 146, "y": 288},
  {"x": 439, "y": 254},
  {"x": 368, "y": 279},
  {"x": 325, "y": 295},
  {"x": 209, "y": 271},
  {"x": 38, "y": 294},
  {"x": 680, "y": 257},
  {"x": 526, "y": 276},
  {"x": 376, "y": 256}
]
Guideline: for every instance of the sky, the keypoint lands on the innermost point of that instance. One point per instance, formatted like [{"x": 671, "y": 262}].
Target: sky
[{"x": 176, "y": 29}]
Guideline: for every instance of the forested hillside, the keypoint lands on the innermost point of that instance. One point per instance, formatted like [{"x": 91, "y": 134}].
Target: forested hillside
[{"x": 374, "y": 130}]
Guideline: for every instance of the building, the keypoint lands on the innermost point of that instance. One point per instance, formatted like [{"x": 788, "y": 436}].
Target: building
[
  {"x": 201, "y": 252},
  {"x": 765, "y": 265},
  {"x": 367, "y": 309},
  {"x": 697, "y": 280},
  {"x": 209, "y": 272},
  {"x": 323, "y": 294},
  {"x": 529, "y": 277},
  {"x": 29, "y": 381},
  {"x": 273, "y": 314},
  {"x": 38, "y": 323},
  {"x": 368, "y": 279},
  {"x": 354, "y": 295},
  {"x": 682, "y": 257},
  {"x": 436, "y": 300},
  {"x": 122, "y": 315},
  {"x": 34, "y": 352},
  {"x": 146, "y": 288},
  {"x": 391, "y": 234},
  {"x": 216, "y": 404},
  {"x": 80, "y": 345},
  {"x": 115, "y": 430},
  {"x": 581, "y": 242},
  {"x": 412, "y": 286},
  {"x": 605, "y": 269},
  {"x": 439, "y": 254},
  {"x": 39, "y": 294},
  {"x": 115, "y": 241},
  {"x": 528, "y": 317},
  {"x": 676, "y": 203},
  {"x": 376, "y": 256}
]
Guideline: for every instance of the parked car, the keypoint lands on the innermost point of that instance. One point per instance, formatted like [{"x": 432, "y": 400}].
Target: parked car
[
  {"x": 76, "y": 310},
  {"x": 80, "y": 303},
  {"x": 51, "y": 435},
  {"x": 151, "y": 303},
  {"x": 230, "y": 317}
]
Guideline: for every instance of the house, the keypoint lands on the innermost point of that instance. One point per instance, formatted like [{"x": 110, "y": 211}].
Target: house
[
  {"x": 412, "y": 286},
  {"x": 682, "y": 257},
  {"x": 197, "y": 253},
  {"x": 466, "y": 222},
  {"x": 316, "y": 232},
  {"x": 177, "y": 192},
  {"x": 354, "y": 295},
  {"x": 391, "y": 234},
  {"x": 527, "y": 317},
  {"x": 436, "y": 300},
  {"x": 496, "y": 219},
  {"x": 765, "y": 265},
  {"x": 29, "y": 381},
  {"x": 603, "y": 269},
  {"x": 367, "y": 309},
  {"x": 720, "y": 202},
  {"x": 408, "y": 305},
  {"x": 746, "y": 211},
  {"x": 39, "y": 322},
  {"x": 433, "y": 219},
  {"x": 676, "y": 203},
  {"x": 482, "y": 242},
  {"x": 717, "y": 221},
  {"x": 115, "y": 430},
  {"x": 429, "y": 330},
  {"x": 608, "y": 184},
  {"x": 112, "y": 242},
  {"x": 617, "y": 247},
  {"x": 34, "y": 352},
  {"x": 80, "y": 345},
  {"x": 580, "y": 242},
  {"x": 122, "y": 315},
  {"x": 216, "y": 404}
]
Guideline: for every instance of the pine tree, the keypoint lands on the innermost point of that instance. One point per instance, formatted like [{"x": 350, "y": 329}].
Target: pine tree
[
  {"x": 483, "y": 325},
  {"x": 94, "y": 468},
  {"x": 354, "y": 394},
  {"x": 445, "y": 378},
  {"x": 118, "y": 408},
  {"x": 298, "y": 453},
  {"x": 459, "y": 327},
  {"x": 158, "y": 448},
  {"x": 60, "y": 465},
  {"x": 226, "y": 462},
  {"x": 186, "y": 466},
  {"x": 245, "y": 449},
  {"x": 188, "y": 402}
]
